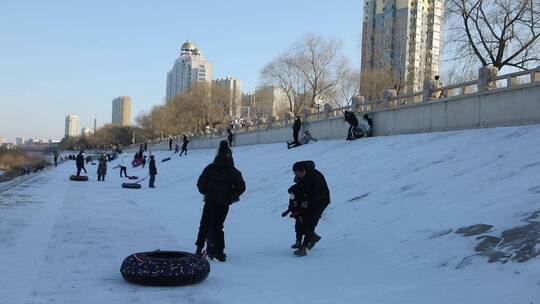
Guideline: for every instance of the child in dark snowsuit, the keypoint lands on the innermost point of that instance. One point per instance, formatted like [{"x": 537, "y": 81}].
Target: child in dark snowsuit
[{"x": 297, "y": 208}]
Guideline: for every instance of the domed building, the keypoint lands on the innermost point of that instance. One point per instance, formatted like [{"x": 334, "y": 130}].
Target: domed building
[{"x": 189, "y": 68}]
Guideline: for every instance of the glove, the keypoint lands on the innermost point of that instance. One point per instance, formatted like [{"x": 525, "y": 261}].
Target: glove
[{"x": 284, "y": 214}]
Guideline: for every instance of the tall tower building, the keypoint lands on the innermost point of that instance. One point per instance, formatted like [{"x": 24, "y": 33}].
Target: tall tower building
[
  {"x": 402, "y": 37},
  {"x": 73, "y": 125},
  {"x": 121, "y": 111},
  {"x": 233, "y": 89},
  {"x": 191, "y": 67}
]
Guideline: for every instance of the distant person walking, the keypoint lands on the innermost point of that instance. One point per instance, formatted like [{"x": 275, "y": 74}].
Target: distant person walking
[
  {"x": 230, "y": 137},
  {"x": 152, "y": 170},
  {"x": 185, "y": 142},
  {"x": 170, "y": 143},
  {"x": 123, "y": 165},
  {"x": 79, "y": 162},
  {"x": 143, "y": 161},
  {"x": 145, "y": 146},
  {"x": 102, "y": 168},
  {"x": 221, "y": 184},
  {"x": 55, "y": 158}
]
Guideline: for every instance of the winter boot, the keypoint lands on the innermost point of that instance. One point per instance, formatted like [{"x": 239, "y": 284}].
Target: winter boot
[
  {"x": 211, "y": 252},
  {"x": 314, "y": 239},
  {"x": 297, "y": 245},
  {"x": 300, "y": 252},
  {"x": 221, "y": 256}
]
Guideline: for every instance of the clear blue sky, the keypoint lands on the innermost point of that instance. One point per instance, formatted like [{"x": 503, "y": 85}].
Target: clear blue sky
[{"x": 74, "y": 57}]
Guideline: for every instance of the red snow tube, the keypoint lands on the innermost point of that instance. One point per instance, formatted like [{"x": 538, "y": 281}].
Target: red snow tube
[
  {"x": 135, "y": 163},
  {"x": 81, "y": 178},
  {"x": 164, "y": 268},
  {"x": 131, "y": 185}
]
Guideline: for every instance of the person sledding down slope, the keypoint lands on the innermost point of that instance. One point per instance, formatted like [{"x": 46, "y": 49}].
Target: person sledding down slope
[{"x": 304, "y": 141}]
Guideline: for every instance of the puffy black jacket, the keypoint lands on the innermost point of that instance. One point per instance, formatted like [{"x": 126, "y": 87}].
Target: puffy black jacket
[
  {"x": 221, "y": 183},
  {"x": 152, "y": 167},
  {"x": 314, "y": 186},
  {"x": 80, "y": 160},
  {"x": 351, "y": 118}
]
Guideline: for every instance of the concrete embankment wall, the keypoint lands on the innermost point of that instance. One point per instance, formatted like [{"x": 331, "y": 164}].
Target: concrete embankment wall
[{"x": 497, "y": 108}]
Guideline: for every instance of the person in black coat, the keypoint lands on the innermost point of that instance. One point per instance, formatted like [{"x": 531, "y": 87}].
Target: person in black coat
[
  {"x": 297, "y": 125},
  {"x": 230, "y": 137},
  {"x": 152, "y": 171},
  {"x": 185, "y": 142},
  {"x": 352, "y": 120},
  {"x": 79, "y": 162},
  {"x": 170, "y": 144},
  {"x": 221, "y": 184},
  {"x": 313, "y": 185}
]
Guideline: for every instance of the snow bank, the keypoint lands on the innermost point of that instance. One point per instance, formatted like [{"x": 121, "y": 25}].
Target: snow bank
[{"x": 388, "y": 236}]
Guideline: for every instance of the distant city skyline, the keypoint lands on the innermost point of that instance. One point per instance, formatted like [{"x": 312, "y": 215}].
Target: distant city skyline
[{"x": 67, "y": 57}]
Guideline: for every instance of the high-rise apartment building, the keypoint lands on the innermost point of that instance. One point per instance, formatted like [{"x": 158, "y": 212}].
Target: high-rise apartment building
[
  {"x": 404, "y": 38},
  {"x": 233, "y": 101},
  {"x": 121, "y": 111},
  {"x": 73, "y": 127},
  {"x": 189, "y": 68}
]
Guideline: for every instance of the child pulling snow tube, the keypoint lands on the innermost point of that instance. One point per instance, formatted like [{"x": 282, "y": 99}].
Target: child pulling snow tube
[
  {"x": 164, "y": 268},
  {"x": 80, "y": 178},
  {"x": 131, "y": 185}
]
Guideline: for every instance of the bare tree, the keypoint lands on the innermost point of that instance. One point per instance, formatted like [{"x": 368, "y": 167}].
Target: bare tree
[
  {"x": 348, "y": 87},
  {"x": 321, "y": 64},
  {"x": 501, "y": 33},
  {"x": 310, "y": 71},
  {"x": 283, "y": 73}
]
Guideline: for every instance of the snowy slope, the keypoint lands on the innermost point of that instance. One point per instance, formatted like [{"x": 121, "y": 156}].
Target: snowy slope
[{"x": 385, "y": 235}]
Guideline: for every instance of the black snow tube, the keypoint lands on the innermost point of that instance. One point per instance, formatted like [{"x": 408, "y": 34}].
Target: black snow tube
[
  {"x": 81, "y": 178},
  {"x": 164, "y": 268},
  {"x": 131, "y": 185},
  {"x": 166, "y": 159}
]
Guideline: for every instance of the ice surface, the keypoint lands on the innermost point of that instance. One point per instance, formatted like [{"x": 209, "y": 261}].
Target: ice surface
[{"x": 388, "y": 235}]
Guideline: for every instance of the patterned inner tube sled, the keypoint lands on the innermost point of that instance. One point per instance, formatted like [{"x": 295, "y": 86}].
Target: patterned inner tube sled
[
  {"x": 131, "y": 185},
  {"x": 78, "y": 178},
  {"x": 165, "y": 268}
]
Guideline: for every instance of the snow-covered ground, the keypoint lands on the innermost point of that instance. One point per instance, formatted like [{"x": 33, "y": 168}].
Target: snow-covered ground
[{"x": 385, "y": 234}]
